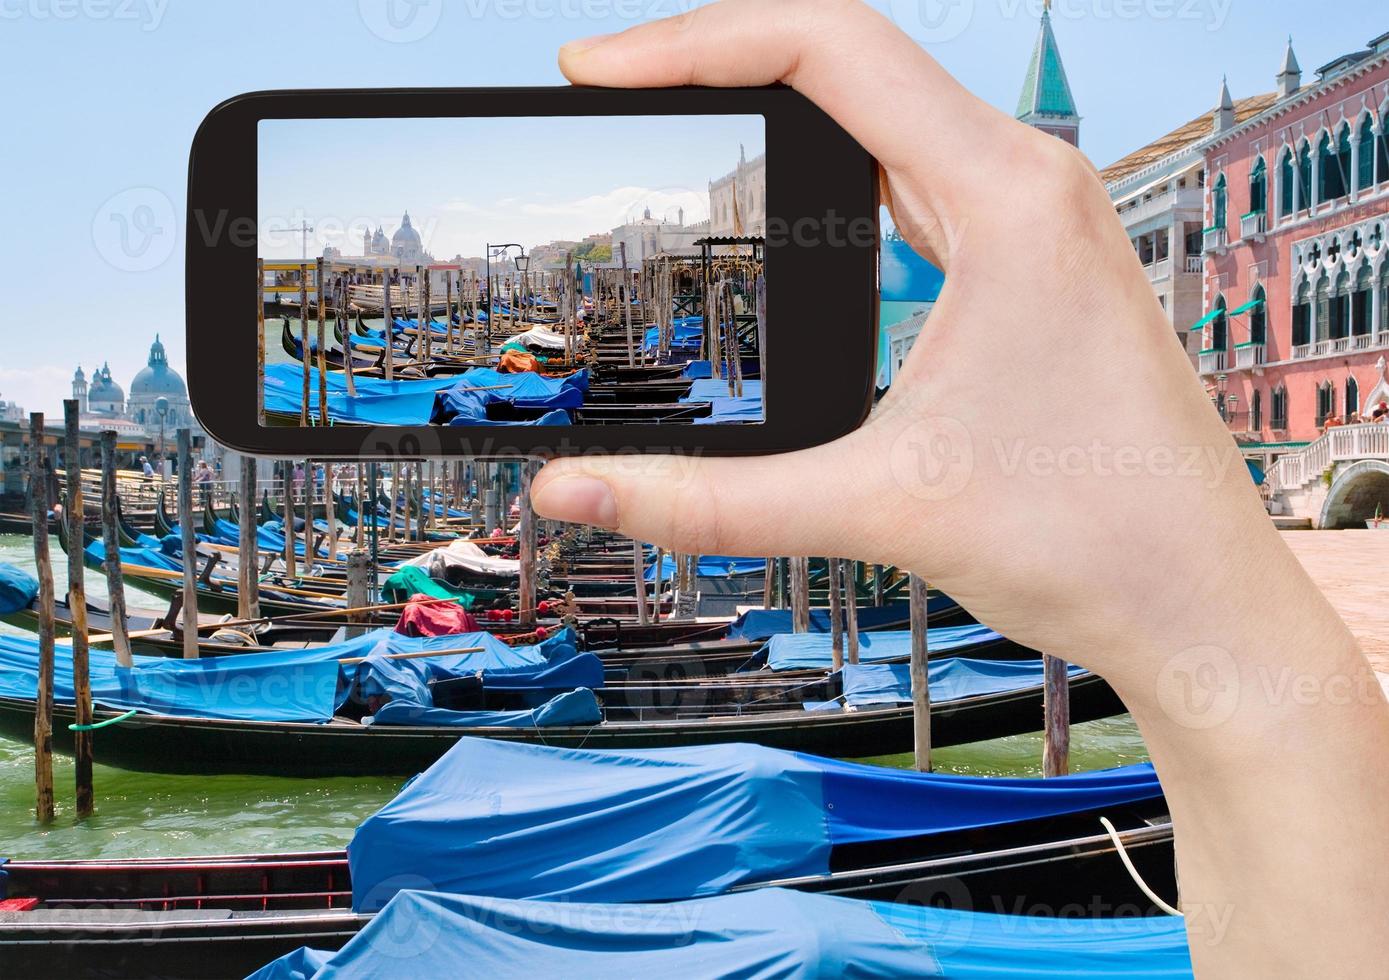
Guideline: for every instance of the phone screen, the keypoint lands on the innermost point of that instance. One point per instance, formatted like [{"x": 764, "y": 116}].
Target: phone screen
[{"x": 512, "y": 271}]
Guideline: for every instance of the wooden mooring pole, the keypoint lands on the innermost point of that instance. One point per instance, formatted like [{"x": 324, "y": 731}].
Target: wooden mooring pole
[
  {"x": 190, "y": 544},
  {"x": 115, "y": 581},
  {"x": 1056, "y": 714},
  {"x": 920, "y": 678},
  {"x": 848, "y": 573},
  {"x": 639, "y": 580},
  {"x": 43, "y": 702},
  {"x": 247, "y": 583},
  {"x": 800, "y": 595},
  {"x": 358, "y": 566},
  {"x": 836, "y": 615},
  {"x": 287, "y": 514},
  {"x": 75, "y": 514},
  {"x": 527, "y": 549}
]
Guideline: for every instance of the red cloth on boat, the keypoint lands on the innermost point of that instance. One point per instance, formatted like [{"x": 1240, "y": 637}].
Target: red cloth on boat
[{"x": 425, "y": 616}]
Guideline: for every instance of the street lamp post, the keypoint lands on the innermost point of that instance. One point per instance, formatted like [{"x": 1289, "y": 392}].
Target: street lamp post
[
  {"x": 161, "y": 408},
  {"x": 522, "y": 262}
]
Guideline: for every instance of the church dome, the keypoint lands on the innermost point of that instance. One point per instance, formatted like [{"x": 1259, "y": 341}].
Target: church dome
[
  {"x": 104, "y": 390},
  {"x": 157, "y": 378},
  {"x": 405, "y": 236}
]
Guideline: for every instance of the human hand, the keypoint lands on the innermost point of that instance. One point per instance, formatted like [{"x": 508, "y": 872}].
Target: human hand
[{"x": 1047, "y": 457}]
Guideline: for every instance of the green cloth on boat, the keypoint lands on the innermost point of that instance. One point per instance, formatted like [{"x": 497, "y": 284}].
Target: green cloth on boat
[{"x": 412, "y": 580}]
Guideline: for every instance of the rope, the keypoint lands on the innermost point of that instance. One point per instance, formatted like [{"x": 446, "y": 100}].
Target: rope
[
  {"x": 104, "y": 724},
  {"x": 1133, "y": 872}
]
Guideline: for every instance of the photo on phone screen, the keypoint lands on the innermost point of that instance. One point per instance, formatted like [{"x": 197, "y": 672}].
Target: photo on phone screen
[{"x": 512, "y": 271}]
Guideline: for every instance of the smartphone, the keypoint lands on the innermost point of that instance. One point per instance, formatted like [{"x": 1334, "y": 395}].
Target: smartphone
[{"x": 485, "y": 272}]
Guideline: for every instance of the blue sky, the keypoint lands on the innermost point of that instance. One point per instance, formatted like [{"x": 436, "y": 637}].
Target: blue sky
[
  {"x": 101, "y": 99},
  {"x": 474, "y": 181}
]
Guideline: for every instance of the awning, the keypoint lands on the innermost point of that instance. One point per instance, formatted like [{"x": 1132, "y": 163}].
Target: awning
[
  {"x": 1206, "y": 319},
  {"x": 1247, "y": 307}
]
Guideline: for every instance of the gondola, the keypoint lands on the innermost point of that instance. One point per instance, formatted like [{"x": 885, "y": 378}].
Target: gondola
[
  {"x": 157, "y": 743},
  {"x": 335, "y": 359},
  {"x": 227, "y": 915}
]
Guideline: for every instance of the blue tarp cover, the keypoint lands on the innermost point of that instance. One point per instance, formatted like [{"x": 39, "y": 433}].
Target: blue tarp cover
[
  {"x": 529, "y": 821},
  {"x": 378, "y": 402},
  {"x": 467, "y": 402},
  {"x": 287, "y": 685},
  {"x": 800, "y": 651},
  {"x": 708, "y": 566},
  {"x": 17, "y": 589},
  {"x": 950, "y": 680},
  {"x": 725, "y": 407},
  {"x": 579, "y": 707},
  {"x": 762, "y": 624},
  {"x": 687, "y": 335},
  {"x": 771, "y": 933}
]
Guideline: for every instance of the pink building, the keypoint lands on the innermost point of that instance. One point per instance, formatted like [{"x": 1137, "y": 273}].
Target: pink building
[
  {"x": 1295, "y": 327},
  {"x": 1297, "y": 268}
]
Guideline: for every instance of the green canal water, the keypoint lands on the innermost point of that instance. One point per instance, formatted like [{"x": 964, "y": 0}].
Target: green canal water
[{"x": 144, "y": 815}]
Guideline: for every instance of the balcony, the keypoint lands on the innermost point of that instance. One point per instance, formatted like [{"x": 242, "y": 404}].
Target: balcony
[
  {"x": 1160, "y": 270},
  {"x": 1253, "y": 226},
  {"x": 1195, "y": 265},
  {"x": 1214, "y": 240},
  {"x": 1341, "y": 345},
  {"x": 1250, "y": 355},
  {"x": 1213, "y": 361}
]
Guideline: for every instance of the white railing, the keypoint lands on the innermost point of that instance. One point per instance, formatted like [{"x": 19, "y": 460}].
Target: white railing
[
  {"x": 1213, "y": 361},
  {"x": 1160, "y": 270},
  {"x": 1342, "y": 444},
  {"x": 1253, "y": 225},
  {"x": 1195, "y": 264},
  {"x": 1213, "y": 238},
  {"x": 1249, "y": 355}
]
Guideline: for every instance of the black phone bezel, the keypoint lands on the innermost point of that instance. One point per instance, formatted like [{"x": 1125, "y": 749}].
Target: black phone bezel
[{"x": 822, "y": 323}]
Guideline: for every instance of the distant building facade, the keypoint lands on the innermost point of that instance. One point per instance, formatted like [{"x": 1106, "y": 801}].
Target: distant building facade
[
  {"x": 103, "y": 405},
  {"x": 738, "y": 199},
  {"x": 1159, "y": 194},
  {"x": 648, "y": 237},
  {"x": 404, "y": 249}
]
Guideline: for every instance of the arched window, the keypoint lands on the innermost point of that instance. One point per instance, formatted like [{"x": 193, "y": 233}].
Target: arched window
[
  {"x": 1382, "y": 148},
  {"x": 1333, "y": 183},
  {"x": 1258, "y": 188},
  {"x": 1304, "y": 176},
  {"x": 1286, "y": 181},
  {"x": 1256, "y": 411},
  {"x": 1279, "y": 408},
  {"x": 1365, "y": 179},
  {"x": 1220, "y": 327},
  {"x": 1323, "y": 309},
  {"x": 1219, "y": 203},
  {"x": 1326, "y": 402},
  {"x": 1352, "y": 398},
  {"x": 1339, "y": 313},
  {"x": 1258, "y": 317},
  {"x": 1362, "y": 301}
]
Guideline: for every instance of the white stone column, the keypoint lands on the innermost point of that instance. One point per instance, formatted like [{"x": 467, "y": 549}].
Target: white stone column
[
  {"x": 1353, "y": 190},
  {"x": 1376, "y": 308}
]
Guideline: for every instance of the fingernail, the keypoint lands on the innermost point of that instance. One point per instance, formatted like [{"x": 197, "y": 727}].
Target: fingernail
[
  {"x": 583, "y": 44},
  {"x": 580, "y": 499}
]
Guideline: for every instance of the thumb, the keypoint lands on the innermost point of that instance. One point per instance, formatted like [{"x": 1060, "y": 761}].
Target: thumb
[{"x": 812, "y": 502}]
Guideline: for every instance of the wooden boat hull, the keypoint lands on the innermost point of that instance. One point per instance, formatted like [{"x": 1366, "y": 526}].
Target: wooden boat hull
[
  {"x": 228, "y": 916},
  {"x": 200, "y": 745}
]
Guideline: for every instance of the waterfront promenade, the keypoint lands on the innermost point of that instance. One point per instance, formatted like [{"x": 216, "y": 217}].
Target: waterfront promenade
[{"x": 1351, "y": 568}]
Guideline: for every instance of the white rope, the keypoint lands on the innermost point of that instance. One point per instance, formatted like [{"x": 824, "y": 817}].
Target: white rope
[{"x": 1133, "y": 872}]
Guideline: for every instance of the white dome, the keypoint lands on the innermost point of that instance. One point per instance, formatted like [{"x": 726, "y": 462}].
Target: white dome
[{"x": 405, "y": 234}]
